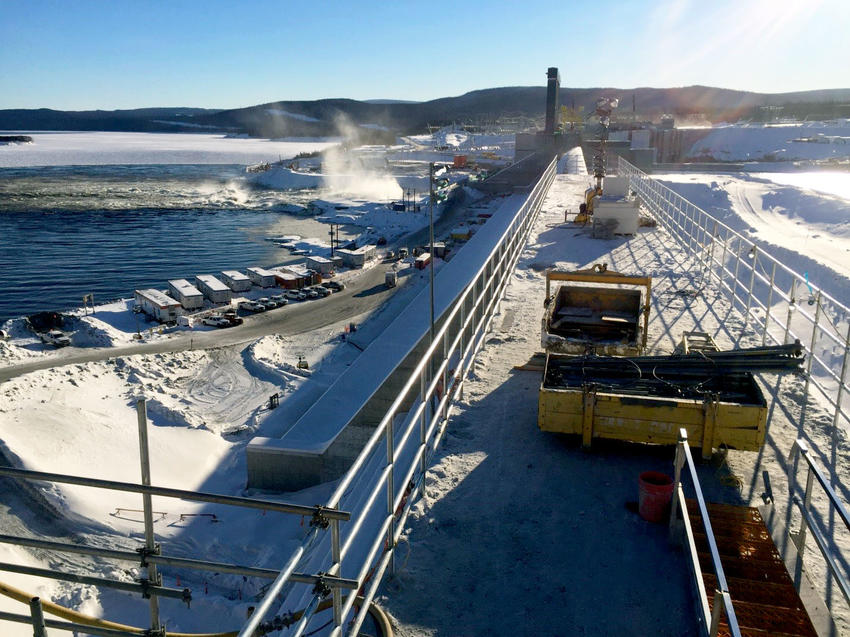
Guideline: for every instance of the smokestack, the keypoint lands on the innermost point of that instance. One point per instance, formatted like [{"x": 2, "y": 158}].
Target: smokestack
[{"x": 552, "y": 90}]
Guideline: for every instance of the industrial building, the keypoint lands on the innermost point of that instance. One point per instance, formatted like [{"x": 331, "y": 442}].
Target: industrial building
[
  {"x": 188, "y": 295},
  {"x": 157, "y": 305},
  {"x": 236, "y": 281},
  {"x": 213, "y": 289}
]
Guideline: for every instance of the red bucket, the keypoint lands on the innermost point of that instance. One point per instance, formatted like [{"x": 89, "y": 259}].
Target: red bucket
[{"x": 656, "y": 491}]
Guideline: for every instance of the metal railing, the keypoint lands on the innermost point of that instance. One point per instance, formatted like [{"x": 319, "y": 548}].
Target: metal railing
[
  {"x": 808, "y": 523},
  {"x": 722, "y": 605},
  {"x": 150, "y": 555},
  {"x": 771, "y": 297},
  {"x": 380, "y": 485}
]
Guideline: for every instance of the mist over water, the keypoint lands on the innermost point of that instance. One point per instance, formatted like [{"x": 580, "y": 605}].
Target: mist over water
[{"x": 74, "y": 230}]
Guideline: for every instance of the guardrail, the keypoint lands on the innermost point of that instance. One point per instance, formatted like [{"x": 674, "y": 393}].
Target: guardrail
[
  {"x": 808, "y": 522},
  {"x": 771, "y": 296},
  {"x": 150, "y": 555},
  {"x": 722, "y": 600},
  {"x": 391, "y": 468}
]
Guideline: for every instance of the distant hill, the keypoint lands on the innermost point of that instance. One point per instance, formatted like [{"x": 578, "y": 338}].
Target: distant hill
[
  {"x": 380, "y": 120},
  {"x": 139, "y": 119}
]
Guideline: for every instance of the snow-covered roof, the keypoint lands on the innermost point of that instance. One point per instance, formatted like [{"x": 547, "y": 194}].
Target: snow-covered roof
[
  {"x": 184, "y": 287},
  {"x": 157, "y": 297},
  {"x": 261, "y": 271},
  {"x": 235, "y": 275},
  {"x": 212, "y": 283}
]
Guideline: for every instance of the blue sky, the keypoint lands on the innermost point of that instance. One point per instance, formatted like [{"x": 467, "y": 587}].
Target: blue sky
[{"x": 86, "y": 54}]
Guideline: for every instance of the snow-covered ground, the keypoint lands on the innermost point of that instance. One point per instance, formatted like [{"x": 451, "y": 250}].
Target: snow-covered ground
[
  {"x": 775, "y": 142},
  {"x": 555, "y": 544},
  {"x": 533, "y": 566},
  {"x": 792, "y": 211},
  {"x": 95, "y": 148}
]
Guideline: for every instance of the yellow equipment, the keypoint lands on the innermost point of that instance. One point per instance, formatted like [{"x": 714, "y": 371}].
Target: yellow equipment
[
  {"x": 610, "y": 318},
  {"x": 586, "y": 208},
  {"x": 620, "y": 404}
]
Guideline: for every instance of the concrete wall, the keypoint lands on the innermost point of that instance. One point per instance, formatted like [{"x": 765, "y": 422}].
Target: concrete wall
[{"x": 331, "y": 434}]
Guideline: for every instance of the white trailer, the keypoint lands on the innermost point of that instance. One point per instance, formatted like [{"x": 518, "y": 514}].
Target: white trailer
[
  {"x": 261, "y": 277},
  {"x": 356, "y": 258},
  {"x": 323, "y": 266},
  {"x": 188, "y": 295},
  {"x": 213, "y": 289},
  {"x": 157, "y": 305},
  {"x": 236, "y": 281}
]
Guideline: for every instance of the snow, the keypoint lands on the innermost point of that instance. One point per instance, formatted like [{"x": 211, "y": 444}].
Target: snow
[
  {"x": 98, "y": 148},
  {"x": 555, "y": 545},
  {"x": 325, "y": 420},
  {"x": 803, "y": 228},
  {"x": 748, "y": 142},
  {"x": 552, "y": 543}
]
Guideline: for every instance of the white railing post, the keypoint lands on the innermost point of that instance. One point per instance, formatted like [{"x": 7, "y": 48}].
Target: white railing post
[
  {"x": 678, "y": 463},
  {"x": 768, "y": 305},
  {"x": 841, "y": 381},
  {"x": 735, "y": 276},
  {"x": 792, "y": 306},
  {"x": 753, "y": 266},
  {"x": 336, "y": 569},
  {"x": 390, "y": 433},
  {"x": 809, "y": 363},
  {"x": 716, "y": 614},
  {"x": 423, "y": 427},
  {"x": 723, "y": 259},
  {"x": 800, "y": 539},
  {"x": 711, "y": 254}
]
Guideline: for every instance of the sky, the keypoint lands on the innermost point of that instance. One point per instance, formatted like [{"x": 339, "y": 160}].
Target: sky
[{"x": 100, "y": 54}]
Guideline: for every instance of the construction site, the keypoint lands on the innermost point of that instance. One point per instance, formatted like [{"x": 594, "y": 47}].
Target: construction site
[{"x": 608, "y": 413}]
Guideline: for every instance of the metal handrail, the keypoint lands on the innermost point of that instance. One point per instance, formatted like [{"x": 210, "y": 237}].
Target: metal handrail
[
  {"x": 700, "y": 233},
  {"x": 375, "y": 521},
  {"x": 808, "y": 522},
  {"x": 721, "y": 595}
]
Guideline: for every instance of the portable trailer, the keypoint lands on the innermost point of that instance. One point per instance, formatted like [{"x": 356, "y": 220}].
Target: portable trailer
[
  {"x": 157, "y": 305},
  {"x": 261, "y": 277},
  {"x": 213, "y": 289},
  {"x": 236, "y": 281},
  {"x": 188, "y": 295},
  {"x": 580, "y": 318},
  {"x": 323, "y": 266}
]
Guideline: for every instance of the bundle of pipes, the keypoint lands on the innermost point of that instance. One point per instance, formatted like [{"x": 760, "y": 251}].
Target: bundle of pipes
[
  {"x": 781, "y": 358},
  {"x": 694, "y": 374}
]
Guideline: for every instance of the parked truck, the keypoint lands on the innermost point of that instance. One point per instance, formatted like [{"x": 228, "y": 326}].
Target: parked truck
[{"x": 391, "y": 278}]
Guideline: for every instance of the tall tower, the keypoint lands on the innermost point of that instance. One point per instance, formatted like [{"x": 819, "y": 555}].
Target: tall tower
[{"x": 552, "y": 90}]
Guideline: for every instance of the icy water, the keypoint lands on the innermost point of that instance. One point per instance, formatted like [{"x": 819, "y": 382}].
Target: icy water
[{"x": 67, "y": 231}]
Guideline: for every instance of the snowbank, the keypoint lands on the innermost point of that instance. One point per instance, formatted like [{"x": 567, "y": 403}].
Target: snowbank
[{"x": 775, "y": 143}]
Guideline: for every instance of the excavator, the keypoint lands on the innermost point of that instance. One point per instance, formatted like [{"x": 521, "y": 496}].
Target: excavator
[{"x": 604, "y": 107}]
